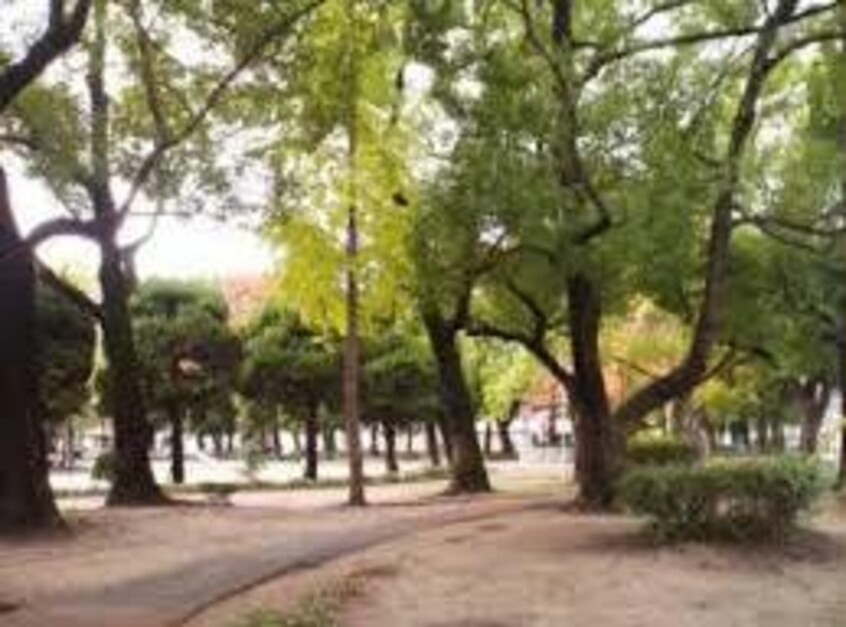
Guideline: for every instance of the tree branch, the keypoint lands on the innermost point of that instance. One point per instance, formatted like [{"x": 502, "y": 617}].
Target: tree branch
[
  {"x": 152, "y": 160},
  {"x": 61, "y": 34}
]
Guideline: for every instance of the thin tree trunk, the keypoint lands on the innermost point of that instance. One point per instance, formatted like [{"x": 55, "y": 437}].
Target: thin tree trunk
[
  {"x": 390, "y": 433},
  {"x": 432, "y": 446},
  {"x": 487, "y": 445},
  {"x": 26, "y": 500},
  {"x": 467, "y": 465},
  {"x": 277, "y": 438},
  {"x": 330, "y": 444},
  {"x": 762, "y": 440},
  {"x": 70, "y": 444},
  {"x": 504, "y": 432},
  {"x": 312, "y": 432},
  {"x": 352, "y": 364},
  {"x": 409, "y": 441},
  {"x": 176, "y": 417},
  {"x": 374, "y": 439},
  {"x": 298, "y": 443}
]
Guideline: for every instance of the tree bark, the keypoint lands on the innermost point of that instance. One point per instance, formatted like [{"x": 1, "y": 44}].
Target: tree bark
[
  {"x": 813, "y": 397},
  {"x": 312, "y": 432},
  {"x": 26, "y": 500},
  {"x": 63, "y": 31},
  {"x": 487, "y": 446},
  {"x": 134, "y": 483},
  {"x": 330, "y": 444},
  {"x": 277, "y": 438},
  {"x": 432, "y": 447},
  {"x": 504, "y": 432},
  {"x": 599, "y": 445},
  {"x": 176, "y": 417},
  {"x": 352, "y": 359},
  {"x": 390, "y": 434},
  {"x": 467, "y": 465}
]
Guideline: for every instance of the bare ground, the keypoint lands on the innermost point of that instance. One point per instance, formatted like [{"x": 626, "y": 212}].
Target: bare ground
[
  {"x": 148, "y": 567},
  {"x": 552, "y": 568}
]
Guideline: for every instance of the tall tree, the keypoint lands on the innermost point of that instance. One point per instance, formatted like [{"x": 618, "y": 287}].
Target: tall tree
[
  {"x": 25, "y": 497},
  {"x": 188, "y": 355},
  {"x": 289, "y": 367},
  {"x": 585, "y": 152}
]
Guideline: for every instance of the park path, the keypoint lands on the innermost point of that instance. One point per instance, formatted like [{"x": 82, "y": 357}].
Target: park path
[{"x": 149, "y": 568}]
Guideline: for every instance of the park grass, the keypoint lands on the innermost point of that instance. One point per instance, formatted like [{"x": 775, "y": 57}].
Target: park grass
[{"x": 318, "y": 609}]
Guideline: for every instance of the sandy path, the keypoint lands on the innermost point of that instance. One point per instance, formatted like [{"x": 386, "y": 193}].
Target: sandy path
[
  {"x": 546, "y": 568},
  {"x": 156, "y": 567}
]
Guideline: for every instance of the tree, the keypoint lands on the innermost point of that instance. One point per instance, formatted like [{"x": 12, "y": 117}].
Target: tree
[
  {"x": 290, "y": 367},
  {"x": 400, "y": 387},
  {"x": 25, "y": 497},
  {"x": 144, "y": 139},
  {"x": 574, "y": 245},
  {"x": 188, "y": 355}
]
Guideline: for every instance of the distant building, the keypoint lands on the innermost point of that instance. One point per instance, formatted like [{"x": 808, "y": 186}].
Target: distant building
[{"x": 245, "y": 296}]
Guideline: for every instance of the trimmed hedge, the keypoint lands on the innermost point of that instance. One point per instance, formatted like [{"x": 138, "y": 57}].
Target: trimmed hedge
[
  {"x": 659, "y": 450},
  {"x": 740, "y": 499}
]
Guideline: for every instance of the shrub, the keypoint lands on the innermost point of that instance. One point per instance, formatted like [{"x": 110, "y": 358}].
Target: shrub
[
  {"x": 659, "y": 450},
  {"x": 734, "y": 499}
]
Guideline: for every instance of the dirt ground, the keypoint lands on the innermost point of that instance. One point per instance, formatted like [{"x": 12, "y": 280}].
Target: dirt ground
[{"x": 550, "y": 568}]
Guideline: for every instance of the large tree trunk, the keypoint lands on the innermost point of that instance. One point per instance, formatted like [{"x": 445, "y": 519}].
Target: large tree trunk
[
  {"x": 312, "y": 432},
  {"x": 432, "y": 447},
  {"x": 599, "y": 445},
  {"x": 134, "y": 483},
  {"x": 176, "y": 416},
  {"x": 26, "y": 501},
  {"x": 467, "y": 466},
  {"x": 390, "y": 433}
]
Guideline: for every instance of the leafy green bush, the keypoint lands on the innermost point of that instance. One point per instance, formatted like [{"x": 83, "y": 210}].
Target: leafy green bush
[
  {"x": 734, "y": 499},
  {"x": 659, "y": 450},
  {"x": 104, "y": 467}
]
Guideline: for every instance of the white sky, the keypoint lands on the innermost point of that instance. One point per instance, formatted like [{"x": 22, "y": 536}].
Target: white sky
[{"x": 199, "y": 247}]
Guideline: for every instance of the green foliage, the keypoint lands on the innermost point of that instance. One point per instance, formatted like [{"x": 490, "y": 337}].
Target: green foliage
[
  {"x": 400, "y": 381},
  {"x": 288, "y": 365},
  {"x": 656, "y": 449},
  {"x": 319, "y": 609},
  {"x": 68, "y": 339},
  {"x": 188, "y": 353},
  {"x": 740, "y": 499}
]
